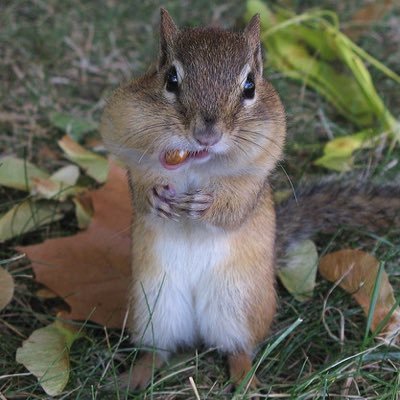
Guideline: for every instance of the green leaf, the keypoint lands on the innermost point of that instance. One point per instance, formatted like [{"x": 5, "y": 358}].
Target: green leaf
[
  {"x": 94, "y": 165},
  {"x": 346, "y": 145},
  {"x": 310, "y": 47},
  {"x": 17, "y": 173},
  {"x": 25, "y": 217},
  {"x": 299, "y": 272},
  {"x": 46, "y": 354},
  {"x": 6, "y": 288},
  {"x": 335, "y": 163},
  {"x": 73, "y": 126},
  {"x": 338, "y": 153}
]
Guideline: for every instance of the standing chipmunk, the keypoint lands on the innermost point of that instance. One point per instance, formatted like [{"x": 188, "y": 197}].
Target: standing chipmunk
[{"x": 200, "y": 135}]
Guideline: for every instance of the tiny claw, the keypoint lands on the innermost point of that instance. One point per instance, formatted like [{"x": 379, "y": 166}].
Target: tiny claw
[{"x": 171, "y": 191}]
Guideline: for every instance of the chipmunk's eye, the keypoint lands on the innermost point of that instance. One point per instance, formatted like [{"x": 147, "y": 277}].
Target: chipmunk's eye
[
  {"x": 172, "y": 83},
  {"x": 249, "y": 87}
]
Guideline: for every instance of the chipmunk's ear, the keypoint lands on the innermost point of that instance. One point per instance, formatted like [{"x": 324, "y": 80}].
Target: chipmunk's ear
[
  {"x": 168, "y": 32},
  {"x": 252, "y": 31},
  {"x": 252, "y": 35}
]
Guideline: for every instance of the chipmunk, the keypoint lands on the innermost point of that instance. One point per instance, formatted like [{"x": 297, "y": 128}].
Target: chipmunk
[{"x": 200, "y": 134}]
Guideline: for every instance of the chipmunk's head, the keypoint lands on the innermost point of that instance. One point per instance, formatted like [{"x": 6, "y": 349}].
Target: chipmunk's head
[{"x": 207, "y": 101}]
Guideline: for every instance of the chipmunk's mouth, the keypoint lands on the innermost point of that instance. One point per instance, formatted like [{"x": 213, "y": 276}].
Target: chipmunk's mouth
[{"x": 174, "y": 159}]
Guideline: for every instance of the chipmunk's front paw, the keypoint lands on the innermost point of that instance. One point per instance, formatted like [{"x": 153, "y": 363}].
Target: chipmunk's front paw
[
  {"x": 193, "y": 205},
  {"x": 160, "y": 199}
]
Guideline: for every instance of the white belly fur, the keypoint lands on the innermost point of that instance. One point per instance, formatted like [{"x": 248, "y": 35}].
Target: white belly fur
[{"x": 186, "y": 300}]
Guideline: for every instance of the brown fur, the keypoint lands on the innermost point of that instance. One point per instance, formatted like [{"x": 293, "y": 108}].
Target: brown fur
[
  {"x": 141, "y": 373},
  {"x": 239, "y": 366},
  {"x": 331, "y": 204},
  {"x": 230, "y": 192},
  {"x": 233, "y": 192}
]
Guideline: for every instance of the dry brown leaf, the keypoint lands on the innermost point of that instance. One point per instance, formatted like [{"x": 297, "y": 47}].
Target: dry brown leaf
[
  {"x": 356, "y": 272},
  {"x": 365, "y": 16},
  {"x": 91, "y": 270},
  {"x": 6, "y": 288}
]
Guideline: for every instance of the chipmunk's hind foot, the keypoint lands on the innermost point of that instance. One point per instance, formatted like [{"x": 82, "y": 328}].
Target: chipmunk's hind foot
[
  {"x": 240, "y": 366},
  {"x": 139, "y": 377}
]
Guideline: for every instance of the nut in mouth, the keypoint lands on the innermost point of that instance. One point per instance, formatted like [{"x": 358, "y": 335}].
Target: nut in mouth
[{"x": 173, "y": 159}]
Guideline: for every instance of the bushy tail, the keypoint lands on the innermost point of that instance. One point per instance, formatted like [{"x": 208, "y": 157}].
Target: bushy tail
[{"x": 328, "y": 205}]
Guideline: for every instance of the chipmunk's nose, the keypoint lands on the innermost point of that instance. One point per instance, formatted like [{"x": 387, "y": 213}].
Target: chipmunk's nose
[{"x": 207, "y": 134}]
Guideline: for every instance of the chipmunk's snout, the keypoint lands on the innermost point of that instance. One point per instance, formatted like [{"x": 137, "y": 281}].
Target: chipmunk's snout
[{"x": 207, "y": 133}]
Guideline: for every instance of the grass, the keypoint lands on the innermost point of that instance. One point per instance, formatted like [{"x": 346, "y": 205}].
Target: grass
[{"x": 67, "y": 56}]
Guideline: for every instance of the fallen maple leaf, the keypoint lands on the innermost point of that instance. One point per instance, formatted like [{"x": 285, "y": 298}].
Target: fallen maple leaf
[
  {"x": 91, "y": 270},
  {"x": 356, "y": 272}
]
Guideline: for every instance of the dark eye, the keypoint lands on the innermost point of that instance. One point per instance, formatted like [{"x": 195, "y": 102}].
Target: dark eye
[
  {"x": 249, "y": 87},
  {"x": 172, "y": 80}
]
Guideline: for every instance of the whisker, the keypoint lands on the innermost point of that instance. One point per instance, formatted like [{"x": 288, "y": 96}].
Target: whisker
[
  {"x": 240, "y": 147},
  {"x": 262, "y": 135},
  {"x": 290, "y": 182},
  {"x": 145, "y": 129},
  {"x": 257, "y": 144},
  {"x": 277, "y": 160},
  {"x": 147, "y": 149}
]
